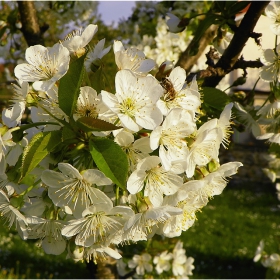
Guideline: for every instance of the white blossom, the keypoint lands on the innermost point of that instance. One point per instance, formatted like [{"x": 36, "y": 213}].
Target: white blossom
[
  {"x": 142, "y": 263},
  {"x": 162, "y": 262},
  {"x": 155, "y": 180},
  {"x": 132, "y": 59},
  {"x": 178, "y": 95},
  {"x": 77, "y": 41},
  {"x": 45, "y": 66},
  {"x": 270, "y": 70},
  {"x": 97, "y": 223},
  {"x": 135, "y": 101},
  {"x": 96, "y": 54},
  {"x": 71, "y": 188},
  {"x": 49, "y": 231},
  {"x": 272, "y": 11},
  {"x": 12, "y": 215},
  {"x": 135, "y": 150}
]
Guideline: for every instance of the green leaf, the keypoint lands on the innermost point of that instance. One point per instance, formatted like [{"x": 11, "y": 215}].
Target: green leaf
[
  {"x": 110, "y": 159},
  {"x": 68, "y": 133},
  {"x": 69, "y": 86},
  {"x": 215, "y": 98},
  {"x": 38, "y": 148},
  {"x": 91, "y": 124}
]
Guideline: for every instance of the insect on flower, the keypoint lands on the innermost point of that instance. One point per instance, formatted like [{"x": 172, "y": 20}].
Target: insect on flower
[{"x": 170, "y": 92}]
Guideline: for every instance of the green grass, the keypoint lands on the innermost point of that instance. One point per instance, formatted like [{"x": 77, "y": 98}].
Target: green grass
[
  {"x": 225, "y": 236},
  {"x": 24, "y": 260},
  {"x": 222, "y": 241}
]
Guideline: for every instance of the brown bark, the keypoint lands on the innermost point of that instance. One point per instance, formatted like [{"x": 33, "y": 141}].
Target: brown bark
[
  {"x": 30, "y": 25},
  {"x": 219, "y": 72},
  {"x": 187, "y": 61},
  {"x": 242, "y": 34}
]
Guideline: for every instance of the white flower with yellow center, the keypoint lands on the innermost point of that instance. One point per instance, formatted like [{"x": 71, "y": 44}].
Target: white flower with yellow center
[
  {"x": 189, "y": 199},
  {"x": 98, "y": 222},
  {"x": 135, "y": 101},
  {"x": 223, "y": 124},
  {"x": 155, "y": 180},
  {"x": 96, "y": 54},
  {"x": 5, "y": 143},
  {"x": 49, "y": 231},
  {"x": 182, "y": 265},
  {"x": 76, "y": 41},
  {"x": 215, "y": 182},
  {"x": 170, "y": 136},
  {"x": 273, "y": 12},
  {"x": 132, "y": 59},
  {"x": 74, "y": 189},
  {"x": 178, "y": 95},
  {"x": 272, "y": 261},
  {"x": 49, "y": 101},
  {"x": 89, "y": 104},
  {"x": 100, "y": 251},
  {"x": 270, "y": 71},
  {"x": 143, "y": 225},
  {"x": 12, "y": 116},
  {"x": 247, "y": 119},
  {"x": 204, "y": 148},
  {"x": 45, "y": 66},
  {"x": 12, "y": 216},
  {"x": 141, "y": 263},
  {"x": 135, "y": 150},
  {"x": 162, "y": 262}
]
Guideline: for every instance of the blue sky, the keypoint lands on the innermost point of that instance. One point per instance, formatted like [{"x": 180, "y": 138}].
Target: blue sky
[{"x": 115, "y": 10}]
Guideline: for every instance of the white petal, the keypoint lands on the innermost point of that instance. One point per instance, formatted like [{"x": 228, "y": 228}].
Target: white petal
[
  {"x": 53, "y": 179},
  {"x": 52, "y": 246},
  {"x": 135, "y": 182},
  {"x": 96, "y": 177},
  {"x": 69, "y": 170}
]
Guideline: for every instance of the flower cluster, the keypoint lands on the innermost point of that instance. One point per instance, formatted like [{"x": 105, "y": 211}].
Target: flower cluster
[
  {"x": 173, "y": 264},
  {"x": 89, "y": 170},
  {"x": 271, "y": 261}
]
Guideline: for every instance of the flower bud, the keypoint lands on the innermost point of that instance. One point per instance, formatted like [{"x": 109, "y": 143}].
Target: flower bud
[
  {"x": 141, "y": 205},
  {"x": 239, "y": 95},
  {"x": 174, "y": 23},
  {"x": 213, "y": 165}
]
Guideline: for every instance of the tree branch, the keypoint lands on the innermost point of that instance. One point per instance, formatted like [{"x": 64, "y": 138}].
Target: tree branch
[
  {"x": 232, "y": 53},
  {"x": 219, "y": 72},
  {"x": 187, "y": 61},
  {"x": 30, "y": 25}
]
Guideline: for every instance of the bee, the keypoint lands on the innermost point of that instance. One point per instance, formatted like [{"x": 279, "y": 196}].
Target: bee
[{"x": 170, "y": 92}]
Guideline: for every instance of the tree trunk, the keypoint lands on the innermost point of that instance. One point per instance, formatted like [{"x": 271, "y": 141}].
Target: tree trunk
[
  {"x": 187, "y": 61},
  {"x": 30, "y": 25}
]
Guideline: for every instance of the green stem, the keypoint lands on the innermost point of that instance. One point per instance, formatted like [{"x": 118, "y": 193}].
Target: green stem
[
  {"x": 27, "y": 126},
  {"x": 107, "y": 80},
  {"x": 30, "y": 188},
  {"x": 87, "y": 78},
  {"x": 117, "y": 195}
]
